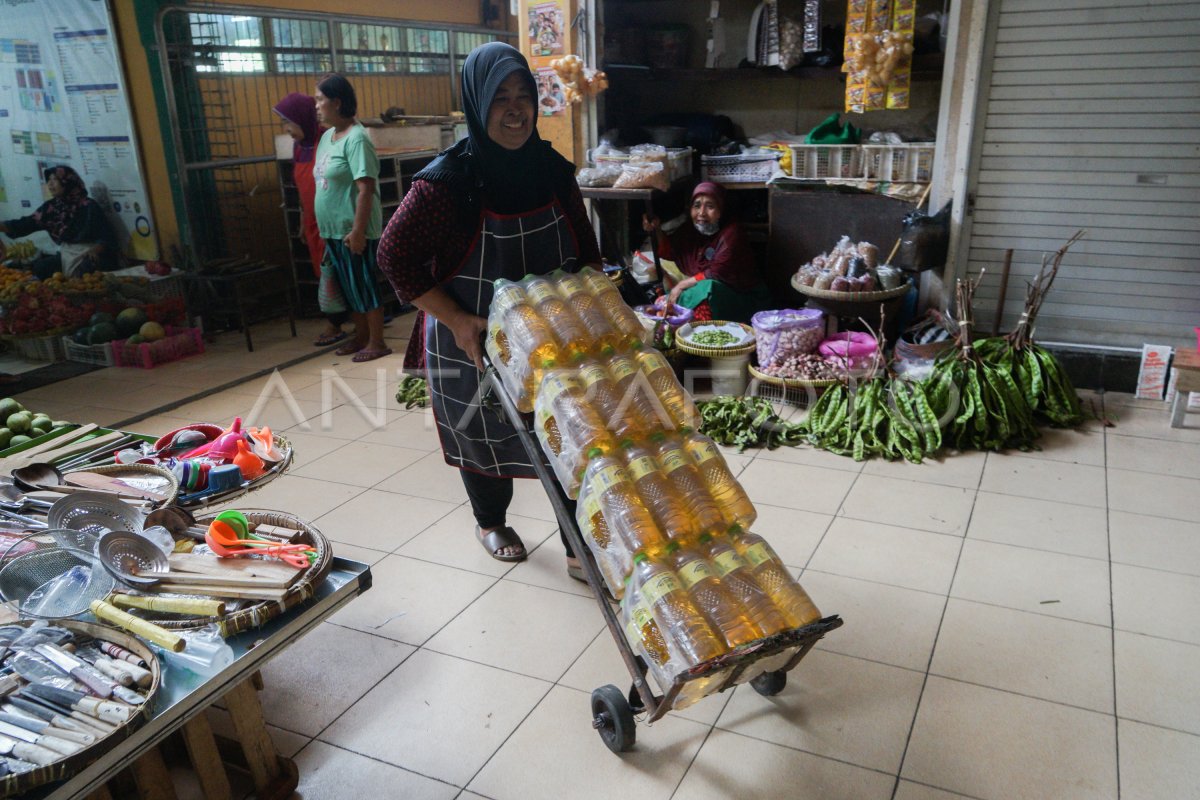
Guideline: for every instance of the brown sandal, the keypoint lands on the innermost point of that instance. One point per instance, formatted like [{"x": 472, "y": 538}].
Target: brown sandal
[{"x": 497, "y": 540}]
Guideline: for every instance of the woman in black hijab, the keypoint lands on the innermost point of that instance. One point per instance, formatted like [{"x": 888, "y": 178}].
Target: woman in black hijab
[{"x": 500, "y": 203}]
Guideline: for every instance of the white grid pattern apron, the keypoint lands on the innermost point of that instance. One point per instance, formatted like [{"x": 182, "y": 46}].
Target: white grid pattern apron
[{"x": 475, "y": 437}]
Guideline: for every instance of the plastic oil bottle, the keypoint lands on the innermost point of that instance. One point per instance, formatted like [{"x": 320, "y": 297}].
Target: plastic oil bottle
[
  {"x": 621, "y": 315},
  {"x": 675, "y": 463},
  {"x": 724, "y": 612},
  {"x": 560, "y": 319},
  {"x": 770, "y": 573},
  {"x": 605, "y": 337},
  {"x": 628, "y": 519},
  {"x": 524, "y": 344},
  {"x": 734, "y": 572},
  {"x": 683, "y": 626},
  {"x": 665, "y": 504},
  {"x": 666, "y": 386},
  {"x": 625, "y": 417},
  {"x": 637, "y": 395},
  {"x": 614, "y": 560},
  {"x": 567, "y": 425},
  {"x": 728, "y": 494}
]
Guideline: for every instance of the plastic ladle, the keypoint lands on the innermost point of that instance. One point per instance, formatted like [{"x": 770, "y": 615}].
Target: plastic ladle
[{"x": 223, "y": 541}]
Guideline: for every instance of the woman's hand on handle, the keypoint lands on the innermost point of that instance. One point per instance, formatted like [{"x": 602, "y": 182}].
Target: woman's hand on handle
[{"x": 468, "y": 335}]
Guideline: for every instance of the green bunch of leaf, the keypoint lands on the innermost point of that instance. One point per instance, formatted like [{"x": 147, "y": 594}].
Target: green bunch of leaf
[
  {"x": 413, "y": 391},
  {"x": 746, "y": 422}
]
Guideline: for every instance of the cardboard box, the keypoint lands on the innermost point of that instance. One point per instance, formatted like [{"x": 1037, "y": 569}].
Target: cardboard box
[{"x": 405, "y": 136}]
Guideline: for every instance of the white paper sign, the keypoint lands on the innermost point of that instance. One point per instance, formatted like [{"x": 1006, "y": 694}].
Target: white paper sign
[{"x": 1152, "y": 377}]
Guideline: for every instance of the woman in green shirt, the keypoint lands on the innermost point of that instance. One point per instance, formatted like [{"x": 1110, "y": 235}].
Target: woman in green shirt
[{"x": 348, "y": 213}]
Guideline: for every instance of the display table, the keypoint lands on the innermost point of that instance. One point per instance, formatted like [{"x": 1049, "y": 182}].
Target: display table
[
  {"x": 1187, "y": 362},
  {"x": 184, "y": 697},
  {"x": 241, "y": 296}
]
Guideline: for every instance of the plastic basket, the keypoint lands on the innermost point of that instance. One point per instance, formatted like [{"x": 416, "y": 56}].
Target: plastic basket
[
  {"x": 899, "y": 163},
  {"x": 99, "y": 354},
  {"x": 745, "y": 168},
  {"x": 679, "y": 161},
  {"x": 178, "y": 343},
  {"x": 815, "y": 162},
  {"x": 46, "y": 347}
]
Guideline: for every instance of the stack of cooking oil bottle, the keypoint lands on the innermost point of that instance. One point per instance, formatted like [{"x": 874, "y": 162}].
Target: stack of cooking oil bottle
[{"x": 666, "y": 520}]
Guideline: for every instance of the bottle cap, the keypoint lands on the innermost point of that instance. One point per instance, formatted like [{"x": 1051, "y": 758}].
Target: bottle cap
[
  {"x": 639, "y": 557},
  {"x": 672, "y": 546},
  {"x": 684, "y": 430},
  {"x": 658, "y": 436},
  {"x": 607, "y": 351},
  {"x": 548, "y": 363},
  {"x": 705, "y": 538},
  {"x": 636, "y": 344},
  {"x": 734, "y": 530},
  {"x": 626, "y": 442},
  {"x": 578, "y": 357},
  {"x": 595, "y": 452}
]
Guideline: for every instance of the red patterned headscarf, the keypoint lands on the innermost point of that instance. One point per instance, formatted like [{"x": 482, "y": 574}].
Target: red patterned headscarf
[{"x": 58, "y": 214}]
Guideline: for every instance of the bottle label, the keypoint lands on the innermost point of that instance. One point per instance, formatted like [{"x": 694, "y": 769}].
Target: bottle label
[
  {"x": 658, "y": 587},
  {"x": 555, "y": 383},
  {"x": 622, "y": 368},
  {"x": 507, "y": 296},
  {"x": 757, "y": 553},
  {"x": 705, "y": 451},
  {"x": 542, "y": 290},
  {"x": 672, "y": 459},
  {"x": 593, "y": 374},
  {"x": 651, "y": 360},
  {"x": 641, "y": 467},
  {"x": 695, "y": 571},
  {"x": 608, "y": 477},
  {"x": 651, "y": 636},
  {"x": 727, "y": 562},
  {"x": 597, "y": 527}
]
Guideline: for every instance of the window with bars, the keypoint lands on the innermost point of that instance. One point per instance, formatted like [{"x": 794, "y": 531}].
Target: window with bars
[{"x": 234, "y": 43}]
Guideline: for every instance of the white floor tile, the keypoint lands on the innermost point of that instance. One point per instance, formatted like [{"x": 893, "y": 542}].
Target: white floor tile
[
  {"x": 909, "y": 504},
  {"x": 887, "y": 554},
  {"x": 1171, "y": 668},
  {"x": 1155, "y": 542},
  {"x": 1078, "y": 484},
  {"x": 1039, "y": 524},
  {"x": 1156, "y": 603},
  {"x": 796, "y": 486},
  {"x": 1157, "y": 763}
]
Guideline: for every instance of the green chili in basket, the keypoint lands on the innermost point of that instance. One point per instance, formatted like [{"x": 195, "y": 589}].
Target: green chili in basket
[{"x": 714, "y": 338}]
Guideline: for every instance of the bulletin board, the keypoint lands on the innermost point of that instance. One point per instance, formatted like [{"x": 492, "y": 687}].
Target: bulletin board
[
  {"x": 549, "y": 36},
  {"x": 63, "y": 102}
]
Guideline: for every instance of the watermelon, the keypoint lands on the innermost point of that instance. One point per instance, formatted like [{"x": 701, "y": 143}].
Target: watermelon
[
  {"x": 100, "y": 317},
  {"x": 102, "y": 332},
  {"x": 130, "y": 322}
]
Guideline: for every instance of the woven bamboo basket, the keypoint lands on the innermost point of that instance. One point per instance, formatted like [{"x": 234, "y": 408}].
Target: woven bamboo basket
[
  {"x": 790, "y": 383},
  {"x": 15, "y": 784},
  {"x": 730, "y": 351},
  {"x": 851, "y": 297},
  {"x": 282, "y": 444},
  {"x": 255, "y": 615}
]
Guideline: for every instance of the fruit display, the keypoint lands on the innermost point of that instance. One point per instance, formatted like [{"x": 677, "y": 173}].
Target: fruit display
[
  {"x": 20, "y": 251},
  {"x": 19, "y": 425}
]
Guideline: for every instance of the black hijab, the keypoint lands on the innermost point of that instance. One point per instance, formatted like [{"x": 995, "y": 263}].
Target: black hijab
[{"x": 505, "y": 181}]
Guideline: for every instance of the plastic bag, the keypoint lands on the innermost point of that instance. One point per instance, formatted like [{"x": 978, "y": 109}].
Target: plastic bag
[
  {"x": 605, "y": 174},
  {"x": 924, "y": 240},
  {"x": 651, "y": 175},
  {"x": 782, "y": 334}
]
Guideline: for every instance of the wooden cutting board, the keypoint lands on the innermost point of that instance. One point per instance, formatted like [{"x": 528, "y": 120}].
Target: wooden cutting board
[
  {"x": 93, "y": 480},
  {"x": 278, "y": 572}
]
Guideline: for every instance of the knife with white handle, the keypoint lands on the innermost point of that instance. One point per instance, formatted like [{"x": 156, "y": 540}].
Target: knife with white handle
[
  {"x": 78, "y": 669},
  {"x": 27, "y": 752},
  {"x": 45, "y": 728},
  {"x": 49, "y": 742}
]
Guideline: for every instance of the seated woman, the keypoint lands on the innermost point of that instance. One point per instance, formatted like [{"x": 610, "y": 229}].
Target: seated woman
[
  {"x": 76, "y": 223},
  {"x": 721, "y": 280}
]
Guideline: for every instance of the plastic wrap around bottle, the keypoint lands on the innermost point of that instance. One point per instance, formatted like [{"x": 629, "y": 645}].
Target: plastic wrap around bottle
[
  {"x": 612, "y": 556},
  {"x": 667, "y": 389},
  {"x": 770, "y": 573},
  {"x": 728, "y": 494},
  {"x": 518, "y": 342},
  {"x": 568, "y": 427},
  {"x": 657, "y": 492},
  {"x": 626, "y": 323},
  {"x": 629, "y": 522}
]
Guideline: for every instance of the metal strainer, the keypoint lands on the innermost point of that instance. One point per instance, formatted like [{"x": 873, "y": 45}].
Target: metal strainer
[
  {"x": 131, "y": 558},
  {"x": 94, "y": 512},
  {"x": 25, "y": 573}
]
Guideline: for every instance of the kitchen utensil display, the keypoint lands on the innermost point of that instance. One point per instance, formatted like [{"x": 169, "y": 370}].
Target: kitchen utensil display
[
  {"x": 77, "y": 668},
  {"x": 39, "y": 725},
  {"x": 114, "y": 713},
  {"x": 90, "y": 480},
  {"x": 192, "y": 606},
  {"x": 147, "y": 630},
  {"x": 263, "y": 444},
  {"x": 94, "y": 512},
  {"x": 224, "y": 541},
  {"x": 107, "y": 446},
  {"x": 131, "y": 558},
  {"x": 67, "y": 537},
  {"x": 21, "y": 576},
  {"x": 49, "y": 741},
  {"x": 13, "y": 499},
  {"x": 59, "y": 717},
  {"x": 178, "y": 522}
]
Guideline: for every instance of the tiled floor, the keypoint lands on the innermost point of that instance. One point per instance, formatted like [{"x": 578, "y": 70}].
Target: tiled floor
[{"x": 1021, "y": 625}]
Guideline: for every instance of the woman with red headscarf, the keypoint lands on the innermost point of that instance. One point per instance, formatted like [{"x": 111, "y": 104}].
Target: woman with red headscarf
[
  {"x": 721, "y": 280},
  {"x": 75, "y": 222},
  {"x": 299, "y": 113}
]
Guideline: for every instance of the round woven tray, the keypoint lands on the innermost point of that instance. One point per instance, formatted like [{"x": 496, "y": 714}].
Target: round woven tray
[
  {"x": 14, "y": 784},
  {"x": 282, "y": 444},
  {"x": 732, "y": 351},
  {"x": 255, "y": 615},
  {"x": 144, "y": 474},
  {"x": 790, "y": 383},
  {"x": 851, "y": 297}
]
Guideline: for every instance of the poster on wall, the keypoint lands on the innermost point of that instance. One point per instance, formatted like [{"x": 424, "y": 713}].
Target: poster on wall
[
  {"x": 63, "y": 102},
  {"x": 552, "y": 98},
  {"x": 547, "y": 29}
]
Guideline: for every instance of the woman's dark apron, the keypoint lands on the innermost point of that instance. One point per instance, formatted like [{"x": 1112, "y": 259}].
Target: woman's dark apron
[{"x": 475, "y": 437}]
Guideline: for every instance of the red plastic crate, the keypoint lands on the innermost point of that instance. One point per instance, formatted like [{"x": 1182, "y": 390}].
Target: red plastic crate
[{"x": 177, "y": 344}]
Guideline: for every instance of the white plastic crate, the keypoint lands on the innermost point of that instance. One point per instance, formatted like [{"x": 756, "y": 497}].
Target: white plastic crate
[
  {"x": 898, "y": 163},
  {"x": 744, "y": 168},
  {"x": 100, "y": 355},
  {"x": 679, "y": 161},
  {"x": 816, "y": 162}
]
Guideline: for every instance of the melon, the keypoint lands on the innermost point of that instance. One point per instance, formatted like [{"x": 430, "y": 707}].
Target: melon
[
  {"x": 130, "y": 321},
  {"x": 152, "y": 332}
]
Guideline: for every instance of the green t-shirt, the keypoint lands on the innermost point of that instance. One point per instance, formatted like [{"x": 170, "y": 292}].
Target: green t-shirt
[{"x": 338, "y": 165}]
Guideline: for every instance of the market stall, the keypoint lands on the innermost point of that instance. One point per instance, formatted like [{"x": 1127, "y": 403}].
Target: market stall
[{"x": 135, "y": 605}]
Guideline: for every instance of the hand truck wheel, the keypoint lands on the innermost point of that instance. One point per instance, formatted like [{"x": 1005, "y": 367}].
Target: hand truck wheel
[
  {"x": 613, "y": 719},
  {"x": 769, "y": 684}
]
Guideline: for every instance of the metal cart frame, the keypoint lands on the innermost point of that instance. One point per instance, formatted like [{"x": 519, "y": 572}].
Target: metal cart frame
[{"x": 613, "y": 710}]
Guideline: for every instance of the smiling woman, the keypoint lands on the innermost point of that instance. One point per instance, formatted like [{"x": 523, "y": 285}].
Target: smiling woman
[{"x": 501, "y": 203}]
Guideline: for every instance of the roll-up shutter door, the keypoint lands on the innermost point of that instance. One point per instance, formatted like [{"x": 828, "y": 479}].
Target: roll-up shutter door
[{"x": 1090, "y": 118}]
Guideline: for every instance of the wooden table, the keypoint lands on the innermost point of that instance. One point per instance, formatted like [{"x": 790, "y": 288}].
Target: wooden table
[
  {"x": 184, "y": 697},
  {"x": 1187, "y": 362}
]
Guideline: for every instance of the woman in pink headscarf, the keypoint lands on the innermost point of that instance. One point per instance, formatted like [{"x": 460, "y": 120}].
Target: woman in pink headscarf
[
  {"x": 299, "y": 113},
  {"x": 721, "y": 280}
]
